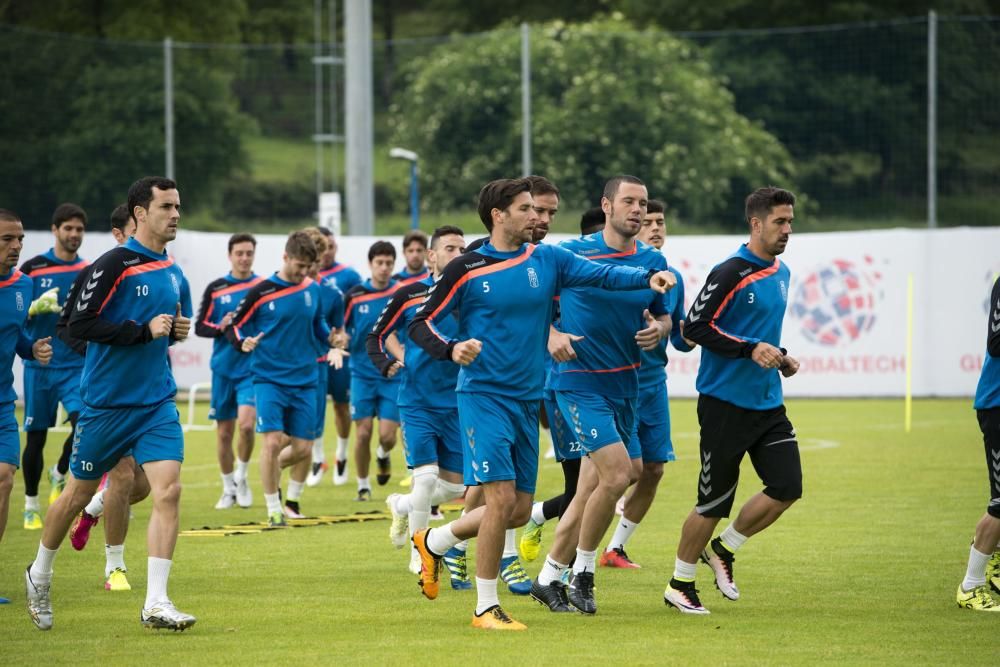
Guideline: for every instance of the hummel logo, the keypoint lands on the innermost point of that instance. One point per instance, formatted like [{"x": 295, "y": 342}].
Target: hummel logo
[
  {"x": 130, "y": 262},
  {"x": 705, "y": 490},
  {"x": 746, "y": 271},
  {"x": 481, "y": 262}
]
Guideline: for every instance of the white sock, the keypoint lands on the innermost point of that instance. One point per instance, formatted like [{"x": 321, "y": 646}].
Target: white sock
[
  {"x": 272, "y": 502},
  {"x": 419, "y": 498},
  {"x": 439, "y": 540},
  {"x": 31, "y": 503},
  {"x": 586, "y": 561},
  {"x": 318, "y": 455},
  {"x": 295, "y": 489},
  {"x": 509, "y": 543},
  {"x": 684, "y": 571},
  {"x": 342, "y": 444},
  {"x": 622, "y": 534},
  {"x": 158, "y": 571},
  {"x": 462, "y": 546},
  {"x": 487, "y": 592},
  {"x": 551, "y": 571},
  {"x": 363, "y": 483},
  {"x": 56, "y": 475},
  {"x": 537, "y": 513},
  {"x": 975, "y": 573},
  {"x": 419, "y": 519},
  {"x": 732, "y": 539},
  {"x": 228, "y": 484},
  {"x": 95, "y": 507},
  {"x": 241, "y": 470},
  {"x": 445, "y": 491},
  {"x": 114, "y": 558},
  {"x": 41, "y": 567},
  {"x": 381, "y": 453}
]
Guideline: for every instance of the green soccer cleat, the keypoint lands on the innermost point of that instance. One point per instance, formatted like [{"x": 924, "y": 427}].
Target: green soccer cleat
[
  {"x": 58, "y": 483},
  {"x": 32, "y": 520},
  {"x": 993, "y": 571},
  {"x": 531, "y": 540},
  {"x": 978, "y": 599},
  {"x": 45, "y": 304},
  {"x": 277, "y": 520}
]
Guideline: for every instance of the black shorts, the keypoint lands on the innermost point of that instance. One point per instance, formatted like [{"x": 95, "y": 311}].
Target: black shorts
[
  {"x": 989, "y": 423},
  {"x": 727, "y": 433}
]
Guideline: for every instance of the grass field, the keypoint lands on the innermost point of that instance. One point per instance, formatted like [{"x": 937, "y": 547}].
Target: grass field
[{"x": 862, "y": 571}]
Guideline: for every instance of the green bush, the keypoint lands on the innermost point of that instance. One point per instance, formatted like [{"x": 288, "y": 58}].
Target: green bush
[{"x": 246, "y": 199}]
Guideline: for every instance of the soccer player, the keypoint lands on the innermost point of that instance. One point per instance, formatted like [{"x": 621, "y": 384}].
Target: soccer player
[
  {"x": 371, "y": 394},
  {"x": 45, "y": 386},
  {"x": 597, "y": 391},
  {"x": 984, "y": 556},
  {"x": 503, "y": 294},
  {"x": 428, "y": 409},
  {"x": 737, "y": 320},
  {"x": 129, "y": 311},
  {"x": 15, "y": 298},
  {"x": 415, "y": 255},
  {"x": 339, "y": 379},
  {"x": 592, "y": 221},
  {"x": 279, "y": 321},
  {"x": 232, "y": 385},
  {"x": 650, "y": 445}
]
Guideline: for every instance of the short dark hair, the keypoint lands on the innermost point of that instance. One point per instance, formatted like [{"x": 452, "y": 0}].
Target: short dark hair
[
  {"x": 655, "y": 206},
  {"x": 592, "y": 220},
  {"x": 325, "y": 231},
  {"x": 66, "y": 212},
  {"x": 242, "y": 237},
  {"x": 445, "y": 230},
  {"x": 6, "y": 215},
  {"x": 120, "y": 217},
  {"x": 542, "y": 186},
  {"x": 499, "y": 194},
  {"x": 141, "y": 192},
  {"x": 414, "y": 235},
  {"x": 761, "y": 201},
  {"x": 611, "y": 187},
  {"x": 300, "y": 246},
  {"x": 381, "y": 248}
]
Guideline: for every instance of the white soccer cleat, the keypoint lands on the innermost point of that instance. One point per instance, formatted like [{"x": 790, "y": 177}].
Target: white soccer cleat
[
  {"x": 39, "y": 605},
  {"x": 685, "y": 598},
  {"x": 340, "y": 475},
  {"x": 414, "y": 561},
  {"x": 244, "y": 496},
  {"x": 316, "y": 473},
  {"x": 399, "y": 530},
  {"x": 165, "y": 616},
  {"x": 226, "y": 501}
]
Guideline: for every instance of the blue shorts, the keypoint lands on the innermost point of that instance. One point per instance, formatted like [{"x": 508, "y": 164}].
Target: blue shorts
[
  {"x": 564, "y": 441},
  {"x": 650, "y": 439},
  {"x": 432, "y": 436},
  {"x": 291, "y": 410},
  {"x": 44, "y": 390},
  {"x": 501, "y": 439},
  {"x": 374, "y": 398},
  {"x": 338, "y": 383},
  {"x": 105, "y": 435},
  {"x": 320, "y": 423},
  {"x": 228, "y": 394},
  {"x": 597, "y": 421},
  {"x": 10, "y": 439}
]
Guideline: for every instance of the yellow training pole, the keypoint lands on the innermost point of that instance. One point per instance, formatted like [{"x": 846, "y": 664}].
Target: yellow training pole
[{"x": 908, "y": 401}]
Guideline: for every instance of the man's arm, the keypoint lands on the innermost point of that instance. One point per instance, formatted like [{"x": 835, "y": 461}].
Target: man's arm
[
  {"x": 993, "y": 327},
  {"x": 576, "y": 271},
  {"x": 85, "y": 321},
  {"x": 204, "y": 327},
  {"x": 242, "y": 324},
  {"x": 62, "y": 324},
  {"x": 443, "y": 297},
  {"x": 677, "y": 339},
  {"x": 388, "y": 322},
  {"x": 702, "y": 326}
]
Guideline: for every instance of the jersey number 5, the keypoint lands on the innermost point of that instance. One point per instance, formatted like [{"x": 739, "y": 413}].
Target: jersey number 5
[{"x": 486, "y": 286}]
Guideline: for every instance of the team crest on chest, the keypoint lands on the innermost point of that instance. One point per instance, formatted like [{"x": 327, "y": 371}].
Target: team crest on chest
[
  {"x": 532, "y": 277},
  {"x": 784, "y": 290},
  {"x": 177, "y": 285},
  {"x": 19, "y": 299},
  {"x": 309, "y": 299}
]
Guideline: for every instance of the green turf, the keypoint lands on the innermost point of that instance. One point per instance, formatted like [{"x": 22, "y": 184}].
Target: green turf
[{"x": 862, "y": 571}]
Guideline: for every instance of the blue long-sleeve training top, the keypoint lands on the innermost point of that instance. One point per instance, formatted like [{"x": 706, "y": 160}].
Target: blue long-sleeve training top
[
  {"x": 221, "y": 297},
  {"x": 48, "y": 271},
  {"x": 15, "y": 298},
  {"x": 988, "y": 389},
  {"x": 363, "y": 304},
  {"x": 653, "y": 370}
]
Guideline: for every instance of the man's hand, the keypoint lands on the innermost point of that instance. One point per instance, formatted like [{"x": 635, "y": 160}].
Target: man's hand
[
  {"x": 561, "y": 345},
  {"x": 41, "y": 349},
  {"x": 334, "y": 357},
  {"x": 396, "y": 366},
  {"x": 789, "y": 366},
  {"x": 662, "y": 281},
  {"x": 687, "y": 340},
  {"x": 655, "y": 331},
  {"x": 766, "y": 355},
  {"x": 182, "y": 326},
  {"x": 227, "y": 319},
  {"x": 465, "y": 352},
  {"x": 250, "y": 343},
  {"x": 161, "y": 325}
]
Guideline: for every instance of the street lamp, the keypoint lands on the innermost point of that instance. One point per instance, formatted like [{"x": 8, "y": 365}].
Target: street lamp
[{"x": 411, "y": 157}]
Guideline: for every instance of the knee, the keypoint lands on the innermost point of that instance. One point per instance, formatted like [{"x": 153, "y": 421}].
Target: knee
[
  {"x": 387, "y": 440},
  {"x": 635, "y": 471},
  {"x": 652, "y": 472},
  {"x": 6, "y": 480},
  {"x": 246, "y": 429},
  {"x": 519, "y": 516},
  {"x": 617, "y": 480},
  {"x": 122, "y": 476},
  {"x": 785, "y": 493},
  {"x": 169, "y": 494}
]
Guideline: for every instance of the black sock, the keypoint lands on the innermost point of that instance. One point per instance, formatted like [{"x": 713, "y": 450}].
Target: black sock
[{"x": 32, "y": 463}]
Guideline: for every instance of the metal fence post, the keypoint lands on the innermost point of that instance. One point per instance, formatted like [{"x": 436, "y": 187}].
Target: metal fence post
[
  {"x": 168, "y": 105},
  {"x": 358, "y": 128},
  {"x": 525, "y": 99},
  {"x": 932, "y": 118}
]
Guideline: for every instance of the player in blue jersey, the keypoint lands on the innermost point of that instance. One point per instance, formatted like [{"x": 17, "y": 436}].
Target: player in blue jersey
[
  {"x": 280, "y": 321},
  {"x": 15, "y": 299},
  {"x": 650, "y": 445},
  {"x": 503, "y": 294},
  {"x": 371, "y": 394},
  {"x": 984, "y": 556},
  {"x": 737, "y": 320},
  {"x": 415, "y": 256},
  {"x": 129, "y": 312},
  {"x": 428, "y": 410},
  {"x": 232, "y": 385},
  {"x": 597, "y": 391},
  {"x": 343, "y": 278},
  {"x": 53, "y": 273}
]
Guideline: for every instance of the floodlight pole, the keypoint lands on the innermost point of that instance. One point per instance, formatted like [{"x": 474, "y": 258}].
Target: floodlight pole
[
  {"x": 358, "y": 122},
  {"x": 168, "y": 106},
  {"x": 411, "y": 157},
  {"x": 932, "y": 24}
]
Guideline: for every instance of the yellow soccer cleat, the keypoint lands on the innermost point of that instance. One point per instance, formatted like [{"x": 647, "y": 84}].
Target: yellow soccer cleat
[
  {"x": 531, "y": 540},
  {"x": 45, "y": 304},
  {"x": 32, "y": 520},
  {"x": 58, "y": 483},
  {"x": 496, "y": 618},
  {"x": 117, "y": 581},
  {"x": 993, "y": 571},
  {"x": 978, "y": 599}
]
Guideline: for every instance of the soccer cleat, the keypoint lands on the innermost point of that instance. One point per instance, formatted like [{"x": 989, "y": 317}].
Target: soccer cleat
[
  {"x": 80, "y": 532},
  {"x": 39, "y": 605},
  {"x": 684, "y": 596},
  {"x": 165, "y": 616},
  {"x": 436, "y": 514},
  {"x": 363, "y": 495},
  {"x": 117, "y": 581},
  {"x": 277, "y": 520},
  {"x": 978, "y": 599},
  {"x": 553, "y": 596},
  {"x": 46, "y": 303},
  {"x": 244, "y": 496},
  {"x": 291, "y": 510},
  {"x": 414, "y": 566},
  {"x": 513, "y": 574},
  {"x": 58, "y": 483},
  {"x": 581, "y": 592},
  {"x": 4, "y": 600},
  {"x": 993, "y": 571},
  {"x": 32, "y": 520},
  {"x": 721, "y": 559},
  {"x": 618, "y": 558},
  {"x": 496, "y": 618},
  {"x": 226, "y": 501},
  {"x": 457, "y": 563},
  {"x": 530, "y": 544},
  {"x": 430, "y": 565},
  {"x": 316, "y": 473},
  {"x": 400, "y": 523},
  {"x": 384, "y": 465},
  {"x": 340, "y": 472}
]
